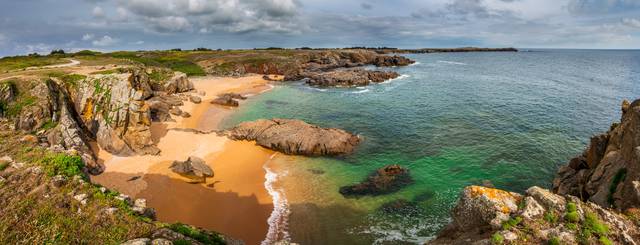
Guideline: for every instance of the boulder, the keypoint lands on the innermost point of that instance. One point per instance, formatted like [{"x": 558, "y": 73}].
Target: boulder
[
  {"x": 192, "y": 167},
  {"x": 178, "y": 83},
  {"x": 482, "y": 207},
  {"x": 385, "y": 180},
  {"x": 395, "y": 60},
  {"x": 295, "y": 137},
  {"x": 195, "y": 99},
  {"x": 228, "y": 99},
  {"x": 139, "y": 241}
]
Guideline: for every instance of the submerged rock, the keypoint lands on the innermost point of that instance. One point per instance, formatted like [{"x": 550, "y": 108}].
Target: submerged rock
[
  {"x": 385, "y": 180},
  {"x": 295, "y": 137},
  {"x": 192, "y": 167}
]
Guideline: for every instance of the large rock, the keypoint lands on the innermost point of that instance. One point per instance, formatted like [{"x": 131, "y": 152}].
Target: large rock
[
  {"x": 395, "y": 60},
  {"x": 178, "y": 83},
  {"x": 41, "y": 111},
  {"x": 114, "y": 108},
  {"x": 385, "y": 180},
  {"x": 605, "y": 172},
  {"x": 295, "y": 137},
  {"x": 349, "y": 78},
  {"x": 192, "y": 167},
  {"x": 481, "y": 207},
  {"x": 228, "y": 99}
]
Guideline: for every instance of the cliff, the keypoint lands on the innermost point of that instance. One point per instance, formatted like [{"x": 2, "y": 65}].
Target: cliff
[{"x": 595, "y": 199}]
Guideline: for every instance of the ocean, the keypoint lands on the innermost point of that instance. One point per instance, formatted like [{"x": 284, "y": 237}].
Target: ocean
[{"x": 453, "y": 119}]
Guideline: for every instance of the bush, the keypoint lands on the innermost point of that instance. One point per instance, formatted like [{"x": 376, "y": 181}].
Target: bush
[
  {"x": 62, "y": 164},
  {"x": 592, "y": 223},
  {"x": 571, "y": 207},
  {"x": 572, "y": 217},
  {"x": 550, "y": 217},
  {"x": 57, "y": 51},
  {"x": 496, "y": 238},
  {"x": 554, "y": 241},
  {"x": 181, "y": 242},
  {"x": 572, "y": 226}
]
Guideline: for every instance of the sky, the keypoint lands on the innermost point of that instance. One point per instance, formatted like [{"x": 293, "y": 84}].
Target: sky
[{"x": 28, "y": 26}]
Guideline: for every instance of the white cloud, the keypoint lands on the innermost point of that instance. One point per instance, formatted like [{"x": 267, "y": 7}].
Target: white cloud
[
  {"x": 632, "y": 22},
  {"x": 104, "y": 41},
  {"x": 87, "y": 37},
  {"x": 98, "y": 12}
]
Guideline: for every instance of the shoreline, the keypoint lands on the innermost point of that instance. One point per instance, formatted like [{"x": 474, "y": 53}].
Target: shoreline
[{"x": 237, "y": 195}]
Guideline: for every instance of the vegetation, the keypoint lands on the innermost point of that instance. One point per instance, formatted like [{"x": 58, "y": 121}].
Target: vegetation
[
  {"x": 62, "y": 164},
  {"x": 176, "y": 61},
  {"x": 551, "y": 217},
  {"x": 511, "y": 223},
  {"x": 617, "y": 179},
  {"x": 554, "y": 241},
  {"x": 203, "y": 237},
  {"x": 572, "y": 213},
  {"x": 497, "y": 239},
  {"x": 21, "y": 62},
  {"x": 3, "y": 165},
  {"x": 57, "y": 51}
]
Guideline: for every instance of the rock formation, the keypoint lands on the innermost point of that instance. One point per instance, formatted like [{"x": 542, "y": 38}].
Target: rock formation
[
  {"x": 349, "y": 78},
  {"x": 576, "y": 212},
  {"x": 193, "y": 167},
  {"x": 608, "y": 171},
  {"x": 383, "y": 181},
  {"x": 228, "y": 99},
  {"x": 295, "y": 137}
]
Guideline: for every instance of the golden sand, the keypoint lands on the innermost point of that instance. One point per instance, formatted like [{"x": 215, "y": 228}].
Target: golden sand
[{"x": 234, "y": 201}]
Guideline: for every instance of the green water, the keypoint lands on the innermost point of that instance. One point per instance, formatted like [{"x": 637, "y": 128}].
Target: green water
[{"x": 455, "y": 120}]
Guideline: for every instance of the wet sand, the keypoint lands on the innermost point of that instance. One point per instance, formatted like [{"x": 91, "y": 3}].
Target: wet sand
[{"x": 234, "y": 201}]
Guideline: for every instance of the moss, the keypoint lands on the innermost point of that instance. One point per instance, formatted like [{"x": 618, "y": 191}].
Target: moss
[
  {"x": 62, "y": 164},
  {"x": 48, "y": 125},
  {"x": 3, "y": 165},
  {"x": 181, "y": 242},
  {"x": 617, "y": 179},
  {"x": 571, "y": 207},
  {"x": 496, "y": 239},
  {"x": 605, "y": 241},
  {"x": 571, "y": 226}
]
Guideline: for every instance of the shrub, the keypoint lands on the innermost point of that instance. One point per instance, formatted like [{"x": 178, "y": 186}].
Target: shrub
[
  {"x": 572, "y": 226},
  {"x": 511, "y": 223},
  {"x": 496, "y": 238},
  {"x": 571, "y": 207},
  {"x": 572, "y": 217},
  {"x": 57, "y": 51},
  {"x": 554, "y": 241},
  {"x": 181, "y": 242},
  {"x": 62, "y": 164},
  {"x": 592, "y": 223}
]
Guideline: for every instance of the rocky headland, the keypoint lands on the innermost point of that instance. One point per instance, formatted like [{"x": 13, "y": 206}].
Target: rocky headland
[
  {"x": 594, "y": 200},
  {"x": 295, "y": 137}
]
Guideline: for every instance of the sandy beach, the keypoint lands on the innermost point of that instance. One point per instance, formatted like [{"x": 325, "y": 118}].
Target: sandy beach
[{"x": 234, "y": 201}]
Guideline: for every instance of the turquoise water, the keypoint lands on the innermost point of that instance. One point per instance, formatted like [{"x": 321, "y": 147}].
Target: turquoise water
[{"x": 454, "y": 119}]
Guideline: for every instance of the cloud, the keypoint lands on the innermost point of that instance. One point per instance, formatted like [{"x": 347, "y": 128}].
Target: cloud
[
  {"x": 602, "y": 6},
  {"x": 87, "y": 37},
  {"x": 98, "y": 12},
  {"x": 632, "y": 22},
  {"x": 366, "y": 6},
  {"x": 104, "y": 41},
  {"x": 231, "y": 16}
]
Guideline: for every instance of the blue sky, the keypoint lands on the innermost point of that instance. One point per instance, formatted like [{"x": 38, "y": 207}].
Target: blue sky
[{"x": 41, "y": 25}]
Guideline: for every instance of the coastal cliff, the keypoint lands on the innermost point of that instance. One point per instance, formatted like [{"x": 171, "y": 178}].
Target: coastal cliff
[{"x": 594, "y": 199}]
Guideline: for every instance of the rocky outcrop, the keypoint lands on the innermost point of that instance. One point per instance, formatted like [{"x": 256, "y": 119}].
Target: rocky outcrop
[
  {"x": 349, "y": 78},
  {"x": 485, "y": 216},
  {"x": 595, "y": 199},
  {"x": 7, "y": 94},
  {"x": 193, "y": 167},
  {"x": 178, "y": 83},
  {"x": 385, "y": 180},
  {"x": 395, "y": 60},
  {"x": 295, "y": 137},
  {"x": 38, "y": 111},
  {"x": 607, "y": 172},
  {"x": 228, "y": 99}
]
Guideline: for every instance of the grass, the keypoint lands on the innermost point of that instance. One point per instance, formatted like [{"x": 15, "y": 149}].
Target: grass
[
  {"x": 62, "y": 164},
  {"x": 176, "y": 61},
  {"x": 205, "y": 238},
  {"x": 572, "y": 213},
  {"x": 554, "y": 241},
  {"x": 21, "y": 62},
  {"x": 592, "y": 226},
  {"x": 68, "y": 79},
  {"x": 497, "y": 239},
  {"x": 3, "y": 165},
  {"x": 511, "y": 223}
]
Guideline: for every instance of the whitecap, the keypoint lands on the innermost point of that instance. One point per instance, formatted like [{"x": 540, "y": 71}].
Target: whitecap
[
  {"x": 395, "y": 79},
  {"x": 279, "y": 218},
  {"x": 360, "y": 91},
  {"x": 451, "y": 62},
  {"x": 415, "y": 63}
]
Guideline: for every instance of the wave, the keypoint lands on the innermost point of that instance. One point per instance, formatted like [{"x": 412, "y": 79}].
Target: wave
[
  {"x": 395, "y": 79},
  {"x": 279, "y": 218},
  {"x": 415, "y": 63},
  {"x": 451, "y": 62},
  {"x": 360, "y": 91}
]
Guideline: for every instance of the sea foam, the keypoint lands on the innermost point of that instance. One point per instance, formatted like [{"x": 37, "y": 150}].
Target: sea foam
[
  {"x": 279, "y": 219},
  {"x": 451, "y": 62}
]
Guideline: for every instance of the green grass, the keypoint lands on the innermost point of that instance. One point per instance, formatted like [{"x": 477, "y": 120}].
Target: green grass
[
  {"x": 592, "y": 226},
  {"x": 69, "y": 79},
  {"x": 572, "y": 213},
  {"x": 497, "y": 239},
  {"x": 511, "y": 223},
  {"x": 62, "y": 164},
  {"x": 177, "y": 61},
  {"x": 208, "y": 239},
  {"x": 22, "y": 62},
  {"x": 551, "y": 217},
  {"x": 15, "y": 108}
]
